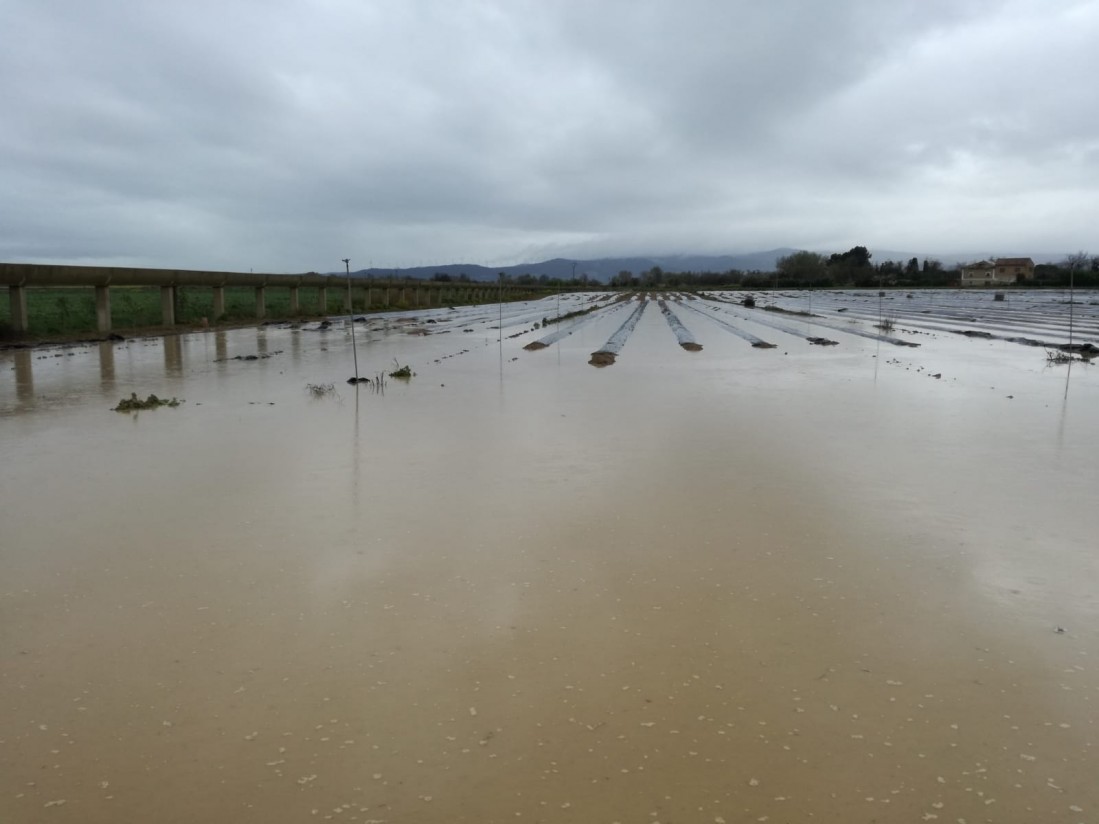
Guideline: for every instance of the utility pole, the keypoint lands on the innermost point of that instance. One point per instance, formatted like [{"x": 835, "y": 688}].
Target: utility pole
[
  {"x": 351, "y": 316},
  {"x": 1071, "y": 299},
  {"x": 559, "y": 290}
]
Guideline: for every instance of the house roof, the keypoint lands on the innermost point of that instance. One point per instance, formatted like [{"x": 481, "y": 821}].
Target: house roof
[
  {"x": 1014, "y": 262},
  {"x": 981, "y": 264}
]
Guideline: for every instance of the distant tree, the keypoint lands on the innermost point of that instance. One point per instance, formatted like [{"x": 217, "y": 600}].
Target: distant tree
[
  {"x": 852, "y": 266},
  {"x": 759, "y": 280},
  {"x": 913, "y": 267},
  {"x": 1078, "y": 269},
  {"x": 1047, "y": 274},
  {"x": 858, "y": 256},
  {"x": 1078, "y": 261},
  {"x": 935, "y": 274},
  {"x": 802, "y": 267}
]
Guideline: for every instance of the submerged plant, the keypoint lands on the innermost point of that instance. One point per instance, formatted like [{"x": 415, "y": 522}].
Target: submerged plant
[
  {"x": 135, "y": 404},
  {"x": 401, "y": 372},
  {"x": 1056, "y": 357}
]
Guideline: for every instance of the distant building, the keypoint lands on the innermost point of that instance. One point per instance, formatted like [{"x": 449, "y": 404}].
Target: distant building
[
  {"x": 982, "y": 273},
  {"x": 998, "y": 272}
]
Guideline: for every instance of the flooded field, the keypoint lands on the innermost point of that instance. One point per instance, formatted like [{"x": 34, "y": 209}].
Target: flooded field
[{"x": 753, "y": 578}]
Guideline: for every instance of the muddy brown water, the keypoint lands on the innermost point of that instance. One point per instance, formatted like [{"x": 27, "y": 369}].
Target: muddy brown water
[{"x": 734, "y": 585}]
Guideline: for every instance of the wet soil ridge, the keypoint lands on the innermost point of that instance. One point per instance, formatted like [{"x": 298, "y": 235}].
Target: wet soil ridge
[
  {"x": 1086, "y": 351},
  {"x": 578, "y": 313},
  {"x": 1028, "y": 318},
  {"x": 757, "y": 342},
  {"x": 801, "y": 313},
  {"x": 863, "y": 333},
  {"x": 565, "y": 331},
  {"x": 681, "y": 332},
  {"x": 759, "y": 318},
  {"x": 606, "y": 355}
]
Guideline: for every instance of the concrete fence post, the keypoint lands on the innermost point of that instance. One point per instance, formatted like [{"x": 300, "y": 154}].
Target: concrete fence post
[
  {"x": 219, "y": 302},
  {"x": 103, "y": 308},
  {"x": 294, "y": 304},
  {"x": 17, "y": 295},
  {"x": 168, "y": 305},
  {"x": 261, "y": 302},
  {"x": 322, "y": 300}
]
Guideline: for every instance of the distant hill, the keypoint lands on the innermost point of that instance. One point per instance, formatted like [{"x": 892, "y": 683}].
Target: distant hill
[{"x": 603, "y": 269}]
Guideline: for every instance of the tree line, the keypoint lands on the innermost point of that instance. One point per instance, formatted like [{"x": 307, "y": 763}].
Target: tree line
[{"x": 852, "y": 269}]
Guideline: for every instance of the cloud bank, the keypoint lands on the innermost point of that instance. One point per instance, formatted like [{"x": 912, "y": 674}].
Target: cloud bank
[{"x": 284, "y": 135}]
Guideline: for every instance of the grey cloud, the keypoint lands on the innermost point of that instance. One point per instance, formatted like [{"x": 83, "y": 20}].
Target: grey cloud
[{"x": 281, "y": 135}]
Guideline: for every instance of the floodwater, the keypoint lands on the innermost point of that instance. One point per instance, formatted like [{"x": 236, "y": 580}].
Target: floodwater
[{"x": 851, "y": 583}]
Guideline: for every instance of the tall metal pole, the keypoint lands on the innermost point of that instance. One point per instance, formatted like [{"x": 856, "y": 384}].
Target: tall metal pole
[
  {"x": 1071, "y": 299},
  {"x": 351, "y": 310},
  {"x": 559, "y": 290}
]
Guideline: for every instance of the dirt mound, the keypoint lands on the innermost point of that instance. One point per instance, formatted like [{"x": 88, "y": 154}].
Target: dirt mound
[
  {"x": 762, "y": 344},
  {"x": 691, "y": 346},
  {"x": 822, "y": 342},
  {"x": 601, "y": 359},
  {"x": 534, "y": 346}
]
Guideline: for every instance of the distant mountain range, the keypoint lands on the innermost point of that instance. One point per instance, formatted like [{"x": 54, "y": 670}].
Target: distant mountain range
[{"x": 603, "y": 269}]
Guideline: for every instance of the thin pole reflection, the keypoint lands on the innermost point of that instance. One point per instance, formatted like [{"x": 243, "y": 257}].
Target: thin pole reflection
[
  {"x": 24, "y": 376},
  {"x": 106, "y": 364},
  {"x": 173, "y": 355}
]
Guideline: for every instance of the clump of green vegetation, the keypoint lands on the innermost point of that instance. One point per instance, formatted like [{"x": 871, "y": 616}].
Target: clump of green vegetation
[
  {"x": 401, "y": 372},
  {"x": 135, "y": 404}
]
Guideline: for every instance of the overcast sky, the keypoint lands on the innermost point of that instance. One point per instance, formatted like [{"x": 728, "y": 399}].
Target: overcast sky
[{"x": 284, "y": 135}]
